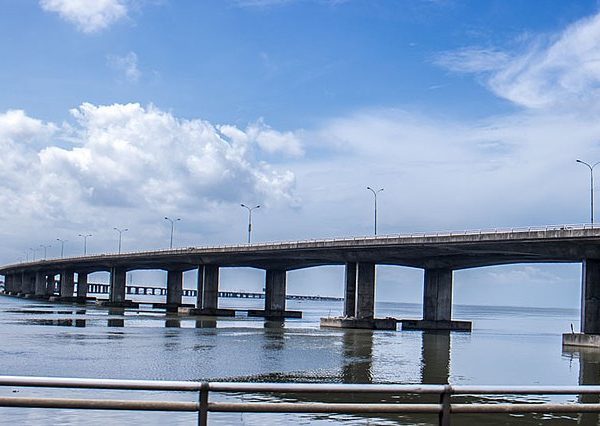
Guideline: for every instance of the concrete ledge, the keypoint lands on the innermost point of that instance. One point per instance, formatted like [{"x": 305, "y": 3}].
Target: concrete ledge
[
  {"x": 208, "y": 312},
  {"x": 581, "y": 339},
  {"x": 351, "y": 322},
  {"x": 436, "y": 325},
  {"x": 123, "y": 304},
  {"x": 274, "y": 314}
]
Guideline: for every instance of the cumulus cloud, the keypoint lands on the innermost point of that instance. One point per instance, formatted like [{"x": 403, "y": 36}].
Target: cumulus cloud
[
  {"x": 127, "y": 65},
  {"x": 89, "y": 16},
  {"x": 548, "y": 71},
  {"x": 126, "y": 162}
]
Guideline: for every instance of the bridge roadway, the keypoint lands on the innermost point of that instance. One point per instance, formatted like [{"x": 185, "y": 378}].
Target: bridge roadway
[{"x": 438, "y": 254}]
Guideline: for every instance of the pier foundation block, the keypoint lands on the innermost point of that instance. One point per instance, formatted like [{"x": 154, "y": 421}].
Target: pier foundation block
[
  {"x": 361, "y": 323},
  {"x": 436, "y": 325}
]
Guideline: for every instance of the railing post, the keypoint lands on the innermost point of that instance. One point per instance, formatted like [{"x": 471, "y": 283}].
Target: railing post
[
  {"x": 444, "y": 419},
  {"x": 203, "y": 405}
]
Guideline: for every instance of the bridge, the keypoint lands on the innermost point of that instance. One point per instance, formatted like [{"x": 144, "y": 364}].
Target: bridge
[{"x": 439, "y": 254}]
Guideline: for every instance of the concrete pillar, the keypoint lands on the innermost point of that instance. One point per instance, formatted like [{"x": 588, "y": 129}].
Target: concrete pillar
[
  {"x": 82, "y": 284},
  {"x": 19, "y": 283},
  {"x": 275, "y": 290},
  {"x": 40, "y": 284},
  {"x": 67, "y": 283},
  {"x": 590, "y": 297},
  {"x": 200, "y": 287},
  {"x": 211, "y": 287},
  {"x": 365, "y": 304},
  {"x": 7, "y": 283},
  {"x": 117, "y": 284},
  {"x": 50, "y": 285},
  {"x": 437, "y": 295},
  {"x": 174, "y": 287},
  {"x": 350, "y": 290}
]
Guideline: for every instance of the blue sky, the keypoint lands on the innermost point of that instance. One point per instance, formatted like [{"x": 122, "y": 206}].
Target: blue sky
[{"x": 469, "y": 114}]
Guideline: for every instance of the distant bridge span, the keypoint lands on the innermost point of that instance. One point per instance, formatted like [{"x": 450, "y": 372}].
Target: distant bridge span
[{"x": 439, "y": 254}]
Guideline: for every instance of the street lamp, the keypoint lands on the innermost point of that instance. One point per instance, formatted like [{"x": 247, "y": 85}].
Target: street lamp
[
  {"x": 120, "y": 231},
  {"x": 32, "y": 254},
  {"x": 172, "y": 228},
  {"x": 85, "y": 237},
  {"x": 250, "y": 219},
  {"x": 62, "y": 246},
  {"x": 591, "y": 167},
  {"x": 45, "y": 247},
  {"x": 375, "y": 192}
]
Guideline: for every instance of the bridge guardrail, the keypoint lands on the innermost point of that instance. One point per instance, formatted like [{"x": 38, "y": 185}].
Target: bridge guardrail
[
  {"x": 326, "y": 241},
  {"x": 445, "y": 408}
]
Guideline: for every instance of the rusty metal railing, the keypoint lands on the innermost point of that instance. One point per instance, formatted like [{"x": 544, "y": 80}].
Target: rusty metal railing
[{"x": 445, "y": 408}]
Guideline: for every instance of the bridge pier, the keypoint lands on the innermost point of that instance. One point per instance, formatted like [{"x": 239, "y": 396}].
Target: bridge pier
[
  {"x": 590, "y": 307},
  {"x": 28, "y": 284},
  {"x": 174, "y": 290},
  {"x": 359, "y": 301},
  {"x": 50, "y": 283},
  {"x": 275, "y": 292},
  {"x": 40, "y": 285},
  {"x": 207, "y": 298},
  {"x": 82, "y": 286},
  {"x": 437, "y": 304},
  {"x": 116, "y": 292},
  {"x": 67, "y": 284}
]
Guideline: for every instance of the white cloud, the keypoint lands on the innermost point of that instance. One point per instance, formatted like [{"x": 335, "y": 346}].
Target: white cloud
[
  {"x": 550, "y": 71},
  {"x": 126, "y": 64},
  {"x": 128, "y": 164},
  {"x": 89, "y": 16}
]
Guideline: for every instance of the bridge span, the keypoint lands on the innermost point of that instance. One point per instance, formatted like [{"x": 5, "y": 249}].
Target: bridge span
[{"x": 439, "y": 254}]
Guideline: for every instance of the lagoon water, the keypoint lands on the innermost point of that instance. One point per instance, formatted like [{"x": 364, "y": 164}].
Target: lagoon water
[{"x": 508, "y": 346}]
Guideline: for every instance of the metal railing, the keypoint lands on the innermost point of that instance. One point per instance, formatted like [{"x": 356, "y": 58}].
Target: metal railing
[
  {"x": 444, "y": 408},
  {"x": 516, "y": 232}
]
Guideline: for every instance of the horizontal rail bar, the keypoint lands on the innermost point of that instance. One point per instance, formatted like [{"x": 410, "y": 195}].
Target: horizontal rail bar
[
  {"x": 524, "y": 408},
  {"x": 98, "y": 404},
  {"x": 339, "y": 408},
  {"x": 59, "y": 382},
  {"x": 525, "y": 390},
  {"x": 317, "y": 388},
  {"x": 83, "y": 383}
]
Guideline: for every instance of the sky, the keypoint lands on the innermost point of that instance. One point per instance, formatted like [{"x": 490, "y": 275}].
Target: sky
[{"x": 470, "y": 115}]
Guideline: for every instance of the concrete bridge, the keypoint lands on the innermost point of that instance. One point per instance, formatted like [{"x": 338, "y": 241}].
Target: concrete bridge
[{"x": 438, "y": 254}]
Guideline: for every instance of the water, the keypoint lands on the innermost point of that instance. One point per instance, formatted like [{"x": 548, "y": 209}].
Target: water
[{"x": 508, "y": 346}]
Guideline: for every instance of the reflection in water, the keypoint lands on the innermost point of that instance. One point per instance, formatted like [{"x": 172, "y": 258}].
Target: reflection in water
[
  {"x": 589, "y": 374},
  {"x": 116, "y": 322},
  {"x": 206, "y": 323},
  {"x": 173, "y": 323},
  {"x": 435, "y": 357},
  {"x": 358, "y": 356}
]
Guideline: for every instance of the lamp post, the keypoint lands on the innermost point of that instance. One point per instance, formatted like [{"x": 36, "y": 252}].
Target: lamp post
[
  {"x": 250, "y": 219},
  {"x": 45, "y": 247},
  {"x": 120, "y": 231},
  {"x": 591, "y": 167},
  {"x": 375, "y": 192},
  {"x": 32, "y": 254},
  {"x": 85, "y": 237},
  {"x": 172, "y": 228},
  {"x": 62, "y": 247}
]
